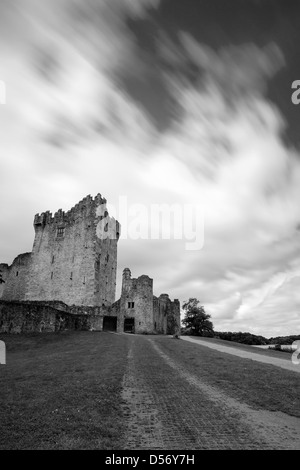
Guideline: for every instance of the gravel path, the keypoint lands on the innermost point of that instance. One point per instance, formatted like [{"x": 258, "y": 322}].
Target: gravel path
[
  {"x": 247, "y": 355},
  {"x": 168, "y": 407}
]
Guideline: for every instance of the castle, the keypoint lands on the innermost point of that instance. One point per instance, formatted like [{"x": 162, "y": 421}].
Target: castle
[{"x": 72, "y": 269}]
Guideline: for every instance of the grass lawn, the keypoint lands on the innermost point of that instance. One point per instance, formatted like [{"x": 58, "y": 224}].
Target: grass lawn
[
  {"x": 62, "y": 390},
  {"x": 258, "y": 385}
]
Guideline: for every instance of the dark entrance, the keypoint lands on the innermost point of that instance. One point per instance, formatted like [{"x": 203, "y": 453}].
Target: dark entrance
[
  {"x": 129, "y": 325},
  {"x": 110, "y": 324}
]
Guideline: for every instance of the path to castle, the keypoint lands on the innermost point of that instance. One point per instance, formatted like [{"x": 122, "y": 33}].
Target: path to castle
[
  {"x": 169, "y": 406},
  {"x": 284, "y": 363}
]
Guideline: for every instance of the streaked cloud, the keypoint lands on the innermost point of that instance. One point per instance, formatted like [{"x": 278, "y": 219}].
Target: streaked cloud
[{"x": 70, "y": 129}]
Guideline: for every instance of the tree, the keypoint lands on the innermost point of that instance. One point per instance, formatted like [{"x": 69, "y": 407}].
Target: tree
[{"x": 196, "y": 319}]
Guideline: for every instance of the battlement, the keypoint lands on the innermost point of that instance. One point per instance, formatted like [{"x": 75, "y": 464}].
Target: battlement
[
  {"x": 22, "y": 259},
  {"x": 164, "y": 297},
  {"x": 81, "y": 209},
  {"x": 141, "y": 282},
  {"x": 126, "y": 273},
  {"x": 4, "y": 266},
  {"x": 144, "y": 278}
]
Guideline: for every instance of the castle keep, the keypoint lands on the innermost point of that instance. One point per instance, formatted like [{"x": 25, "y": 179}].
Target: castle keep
[
  {"x": 69, "y": 262},
  {"x": 72, "y": 269}
]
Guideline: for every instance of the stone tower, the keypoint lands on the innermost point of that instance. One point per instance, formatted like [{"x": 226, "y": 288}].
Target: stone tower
[
  {"x": 74, "y": 255},
  {"x": 139, "y": 311},
  {"x": 136, "y": 303}
]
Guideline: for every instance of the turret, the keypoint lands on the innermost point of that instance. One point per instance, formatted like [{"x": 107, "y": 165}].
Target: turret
[
  {"x": 126, "y": 280},
  {"x": 126, "y": 274}
]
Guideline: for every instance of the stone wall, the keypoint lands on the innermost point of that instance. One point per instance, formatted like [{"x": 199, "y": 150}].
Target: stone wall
[
  {"x": 160, "y": 314},
  {"x": 30, "y": 317},
  {"x": 4, "y": 271},
  {"x": 37, "y": 316},
  {"x": 173, "y": 318},
  {"x": 105, "y": 271},
  {"x": 16, "y": 278},
  {"x": 166, "y": 315}
]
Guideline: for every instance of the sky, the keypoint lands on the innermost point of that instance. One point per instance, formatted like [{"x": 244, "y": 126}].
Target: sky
[{"x": 175, "y": 102}]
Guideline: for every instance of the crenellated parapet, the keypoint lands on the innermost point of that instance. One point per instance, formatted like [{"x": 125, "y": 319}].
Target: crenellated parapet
[
  {"x": 164, "y": 297},
  {"x": 83, "y": 208},
  {"x": 42, "y": 219}
]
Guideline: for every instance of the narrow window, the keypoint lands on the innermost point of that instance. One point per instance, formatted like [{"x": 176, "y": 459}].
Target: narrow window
[
  {"x": 130, "y": 304},
  {"x": 60, "y": 232},
  {"x": 17, "y": 273},
  {"x": 83, "y": 279},
  {"x": 52, "y": 259},
  {"x": 71, "y": 276},
  {"x": 155, "y": 325}
]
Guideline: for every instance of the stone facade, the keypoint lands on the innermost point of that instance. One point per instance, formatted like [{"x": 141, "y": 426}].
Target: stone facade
[
  {"x": 166, "y": 314},
  {"x": 72, "y": 269},
  {"x": 16, "y": 278},
  {"x": 4, "y": 272}
]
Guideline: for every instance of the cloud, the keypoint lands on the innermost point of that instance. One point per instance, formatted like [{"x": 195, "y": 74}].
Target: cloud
[
  {"x": 229, "y": 138},
  {"x": 235, "y": 71},
  {"x": 226, "y": 309},
  {"x": 241, "y": 69},
  {"x": 68, "y": 129}
]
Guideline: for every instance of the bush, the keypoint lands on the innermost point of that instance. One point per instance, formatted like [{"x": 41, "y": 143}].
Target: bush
[{"x": 208, "y": 334}]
